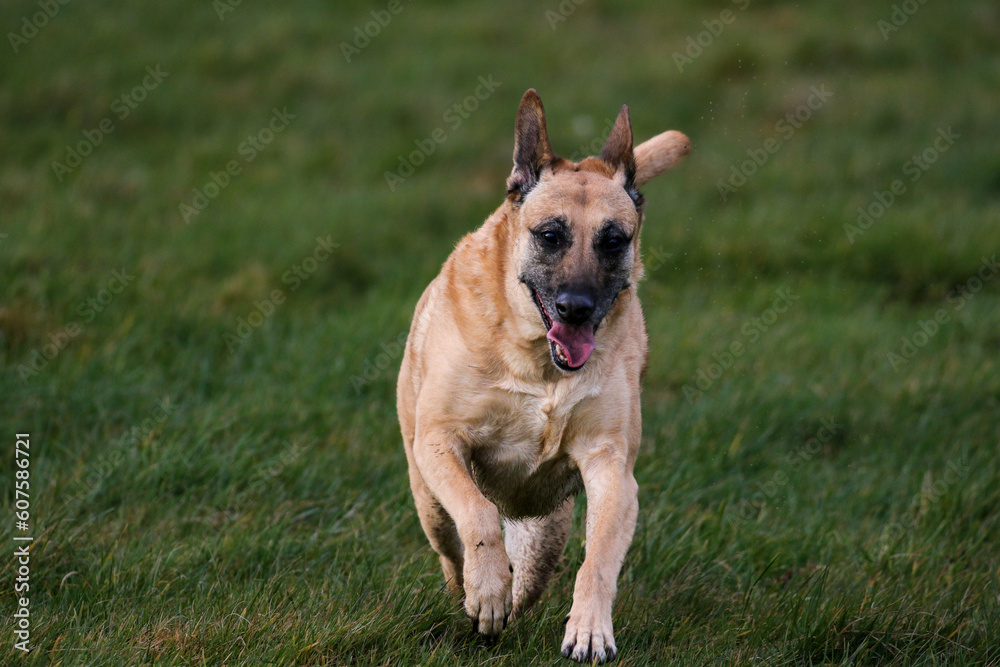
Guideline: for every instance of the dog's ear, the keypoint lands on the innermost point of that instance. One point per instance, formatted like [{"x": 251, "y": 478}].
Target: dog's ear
[
  {"x": 654, "y": 156},
  {"x": 617, "y": 153},
  {"x": 532, "y": 151}
]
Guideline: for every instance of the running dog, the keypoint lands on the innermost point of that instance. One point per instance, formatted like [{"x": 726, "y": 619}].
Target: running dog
[{"x": 520, "y": 382}]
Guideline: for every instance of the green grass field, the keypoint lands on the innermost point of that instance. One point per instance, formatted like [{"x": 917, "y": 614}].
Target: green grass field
[{"x": 216, "y": 472}]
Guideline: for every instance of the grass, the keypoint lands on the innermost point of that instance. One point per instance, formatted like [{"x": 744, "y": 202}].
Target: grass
[{"x": 206, "y": 492}]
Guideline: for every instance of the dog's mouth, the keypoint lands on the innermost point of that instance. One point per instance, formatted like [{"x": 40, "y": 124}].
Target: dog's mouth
[{"x": 570, "y": 345}]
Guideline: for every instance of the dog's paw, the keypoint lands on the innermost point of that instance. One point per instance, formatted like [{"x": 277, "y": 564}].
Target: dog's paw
[
  {"x": 589, "y": 638},
  {"x": 488, "y": 596}
]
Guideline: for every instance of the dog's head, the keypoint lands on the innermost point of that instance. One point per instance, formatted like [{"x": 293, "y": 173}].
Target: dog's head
[{"x": 576, "y": 226}]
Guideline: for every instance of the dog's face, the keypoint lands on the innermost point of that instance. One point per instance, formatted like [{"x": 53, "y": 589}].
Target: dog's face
[
  {"x": 577, "y": 231},
  {"x": 577, "y": 241}
]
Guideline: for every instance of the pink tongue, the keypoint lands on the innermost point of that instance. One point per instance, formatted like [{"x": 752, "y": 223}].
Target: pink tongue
[{"x": 576, "y": 341}]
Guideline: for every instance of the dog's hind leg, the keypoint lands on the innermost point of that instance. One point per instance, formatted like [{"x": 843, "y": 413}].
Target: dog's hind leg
[
  {"x": 534, "y": 547},
  {"x": 440, "y": 530}
]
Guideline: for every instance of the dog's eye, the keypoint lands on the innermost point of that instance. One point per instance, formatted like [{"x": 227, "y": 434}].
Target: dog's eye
[
  {"x": 549, "y": 237},
  {"x": 613, "y": 243}
]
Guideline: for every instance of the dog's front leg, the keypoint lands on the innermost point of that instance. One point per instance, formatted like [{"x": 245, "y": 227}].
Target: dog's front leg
[
  {"x": 444, "y": 465},
  {"x": 612, "y": 506}
]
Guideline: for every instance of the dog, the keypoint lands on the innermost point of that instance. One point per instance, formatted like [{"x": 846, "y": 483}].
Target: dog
[{"x": 519, "y": 386}]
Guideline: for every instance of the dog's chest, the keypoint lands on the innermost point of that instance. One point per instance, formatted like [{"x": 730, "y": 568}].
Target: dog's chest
[{"x": 519, "y": 455}]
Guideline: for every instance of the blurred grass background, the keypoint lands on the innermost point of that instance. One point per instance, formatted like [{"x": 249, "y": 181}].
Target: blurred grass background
[{"x": 197, "y": 500}]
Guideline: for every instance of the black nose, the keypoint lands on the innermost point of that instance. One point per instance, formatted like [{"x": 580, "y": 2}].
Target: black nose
[{"x": 574, "y": 308}]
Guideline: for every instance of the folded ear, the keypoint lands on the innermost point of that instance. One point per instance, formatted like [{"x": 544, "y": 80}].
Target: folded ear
[
  {"x": 532, "y": 151},
  {"x": 617, "y": 153},
  {"x": 654, "y": 156}
]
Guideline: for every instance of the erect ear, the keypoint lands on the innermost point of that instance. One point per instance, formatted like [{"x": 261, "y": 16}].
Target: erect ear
[
  {"x": 617, "y": 153},
  {"x": 654, "y": 156},
  {"x": 532, "y": 151}
]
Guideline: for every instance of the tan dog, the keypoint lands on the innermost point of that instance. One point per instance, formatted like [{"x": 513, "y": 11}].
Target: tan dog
[{"x": 520, "y": 382}]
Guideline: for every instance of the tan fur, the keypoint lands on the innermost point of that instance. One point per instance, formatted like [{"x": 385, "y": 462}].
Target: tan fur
[
  {"x": 654, "y": 156},
  {"x": 493, "y": 429}
]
